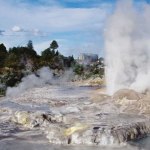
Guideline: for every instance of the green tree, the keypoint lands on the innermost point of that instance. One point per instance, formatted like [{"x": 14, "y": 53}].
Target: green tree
[
  {"x": 54, "y": 45},
  {"x": 46, "y": 57},
  {"x": 12, "y": 61},
  {"x": 57, "y": 53},
  {"x": 3, "y": 54},
  {"x": 24, "y": 56},
  {"x": 79, "y": 69},
  {"x": 30, "y": 45},
  {"x": 46, "y": 54},
  {"x": 69, "y": 61}
]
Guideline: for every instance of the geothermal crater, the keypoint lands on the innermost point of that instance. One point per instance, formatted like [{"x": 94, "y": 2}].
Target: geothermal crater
[{"x": 73, "y": 115}]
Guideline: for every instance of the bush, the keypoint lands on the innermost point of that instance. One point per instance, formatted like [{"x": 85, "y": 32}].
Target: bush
[{"x": 79, "y": 69}]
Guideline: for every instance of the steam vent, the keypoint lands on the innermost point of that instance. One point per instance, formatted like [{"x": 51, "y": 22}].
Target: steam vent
[{"x": 71, "y": 115}]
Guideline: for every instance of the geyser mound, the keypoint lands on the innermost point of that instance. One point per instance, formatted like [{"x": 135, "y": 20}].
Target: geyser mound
[
  {"x": 126, "y": 93},
  {"x": 127, "y": 46}
]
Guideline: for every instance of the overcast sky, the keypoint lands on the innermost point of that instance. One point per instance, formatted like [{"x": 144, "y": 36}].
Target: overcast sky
[{"x": 77, "y": 25}]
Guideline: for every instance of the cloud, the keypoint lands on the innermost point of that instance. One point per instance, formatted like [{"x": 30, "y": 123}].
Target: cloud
[
  {"x": 17, "y": 29},
  {"x": 42, "y": 23},
  {"x": 25, "y": 32},
  {"x": 36, "y": 32},
  {"x": 51, "y": 19}
]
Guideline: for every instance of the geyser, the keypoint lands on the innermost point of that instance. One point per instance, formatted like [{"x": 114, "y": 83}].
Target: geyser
[{"x": 127, "y": 47}]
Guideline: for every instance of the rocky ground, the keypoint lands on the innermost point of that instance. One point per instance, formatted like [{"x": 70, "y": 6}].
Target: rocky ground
[
  {"x": 73, "y": 115},
  {"x": 92, "y": 81}
]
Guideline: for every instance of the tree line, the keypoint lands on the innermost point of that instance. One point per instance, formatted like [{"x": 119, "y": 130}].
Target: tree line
[
  {"x": 17, "y": 62},
  {"x": 25, "y": 57}
]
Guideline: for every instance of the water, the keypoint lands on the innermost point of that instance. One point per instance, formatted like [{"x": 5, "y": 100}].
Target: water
[
  {"x": 20, "y": 144},
  {"x": 144, "y": 143}
]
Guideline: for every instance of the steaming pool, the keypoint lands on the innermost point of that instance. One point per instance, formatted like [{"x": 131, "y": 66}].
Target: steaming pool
[{"x": 19, "y": 131}]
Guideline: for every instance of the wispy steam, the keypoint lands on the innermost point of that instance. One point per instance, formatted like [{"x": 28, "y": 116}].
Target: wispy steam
[
  {"x": 42, "y": 77},
  {"x": 127, "y": 45}
]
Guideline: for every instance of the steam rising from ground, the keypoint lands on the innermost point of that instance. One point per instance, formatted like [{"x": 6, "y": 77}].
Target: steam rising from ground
[
  {"x": 42, "y": 77},
  {"x": 127, "y": 45}
]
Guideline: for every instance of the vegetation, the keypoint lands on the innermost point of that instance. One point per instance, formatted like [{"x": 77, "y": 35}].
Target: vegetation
[
  {"x": 95, "y": 69},
  {"x": 3, "y": 55},
  {"x": 20, "y": 61}
]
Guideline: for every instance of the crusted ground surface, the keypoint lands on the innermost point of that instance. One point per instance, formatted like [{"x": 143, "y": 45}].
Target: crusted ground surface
[{"x": 73, "y": 115}]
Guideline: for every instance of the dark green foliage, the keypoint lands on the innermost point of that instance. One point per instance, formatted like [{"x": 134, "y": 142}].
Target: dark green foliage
[
  {"x": 54, "y": 59},
  {"x": 57, "y": 53},
  {"x": 30, "y": 45},
  {"x": 3, "y": 48},
  {"x": 47, "y": 54},
  {"x": 96, "y": 70},
  {"x": 79, "y": 69},
  {"x": 3, "y": 54},
  {"x": 12, "y": 61},
  {"x": 21, "y": 61},
  {"x": 54, "y": 45},
  {"x": 69, "y": 61},
  {"x": 51, "y": 59},
  {"x": 2, "y": 92},
  {"x": 22, "y": 57},
  {"x": 46, "y": 57},
  {"x": 57, "y": 63},
  {"x": 90, "y": 70},
  {"x": 11, "y": 78},
  {"x": 23, "y": 51}
]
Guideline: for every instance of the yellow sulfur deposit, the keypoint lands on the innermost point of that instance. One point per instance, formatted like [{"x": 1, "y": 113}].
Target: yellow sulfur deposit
[
  {"x": 77, "y": 127},
  {"x": 22, "y": 118}
]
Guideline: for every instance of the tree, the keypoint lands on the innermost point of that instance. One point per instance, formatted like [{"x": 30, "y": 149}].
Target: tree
[
  {"x": 46, "y": 57},
  {"x": 54, "y": 45},
  {"x": 30, "y": 45},
  {"x": 79, "y": 69},
  {"x": 46, "y": 54},
  {"x": 57, "y": 53},
  {"x": 3, "y": 54},
  {"x": 23, "y": 57},
  {"x": 12, "y": 61},
  {"x": 3, "y": 48}
]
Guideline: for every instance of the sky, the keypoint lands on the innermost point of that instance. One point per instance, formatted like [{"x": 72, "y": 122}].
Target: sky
[{"x": 77, "y": 25}]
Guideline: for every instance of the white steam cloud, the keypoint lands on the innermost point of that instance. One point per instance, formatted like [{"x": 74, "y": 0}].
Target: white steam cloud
[
  {"x": 127, "y": 45},
  {"x": 42, "y": 77}
]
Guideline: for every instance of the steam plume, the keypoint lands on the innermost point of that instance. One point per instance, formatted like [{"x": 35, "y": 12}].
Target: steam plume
[
  {"x": 127, "y": 46},
  {"x": 44, "y": 76}
]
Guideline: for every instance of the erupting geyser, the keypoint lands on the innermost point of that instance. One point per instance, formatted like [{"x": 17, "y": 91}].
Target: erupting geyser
[{"x": 127, "y": 46}]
